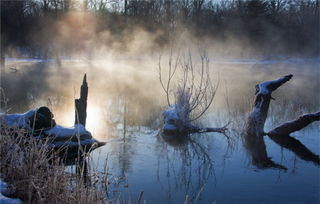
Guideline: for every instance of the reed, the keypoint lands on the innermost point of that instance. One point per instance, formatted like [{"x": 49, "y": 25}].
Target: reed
[{"x": 36, "y": 175}]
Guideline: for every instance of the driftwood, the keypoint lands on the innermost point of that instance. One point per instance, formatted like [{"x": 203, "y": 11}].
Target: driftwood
[
  {"x": 81, "y": 104},
  {"x": 298, "y": 124},
  {"x": 253, "y": 137},
  {"x": 223, "y": 129}
]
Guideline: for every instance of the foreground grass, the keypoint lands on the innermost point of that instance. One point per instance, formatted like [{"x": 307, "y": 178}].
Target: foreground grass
[{"x": 35, "y": 175}]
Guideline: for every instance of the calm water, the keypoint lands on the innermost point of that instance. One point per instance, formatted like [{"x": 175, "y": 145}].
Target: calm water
[{"x": 206, "y": 167}]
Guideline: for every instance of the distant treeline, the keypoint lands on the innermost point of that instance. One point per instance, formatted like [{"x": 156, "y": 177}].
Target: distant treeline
[{"x": 288, "y": 27}]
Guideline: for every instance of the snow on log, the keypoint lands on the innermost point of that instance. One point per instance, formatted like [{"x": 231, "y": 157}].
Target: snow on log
[
  {"x": 39, "y": 123},
  {"x": 268, "y": 87},
  {"x": 59, "y": 136},
  {"x": 69, "y": 137},
  {"x": 258, "y": 115},
  {"x": 173, "y": 123},
  {"x": 17, "y": 120},
  {"x": 81, "y": 104},
  {"x": 292, "y": 126}
]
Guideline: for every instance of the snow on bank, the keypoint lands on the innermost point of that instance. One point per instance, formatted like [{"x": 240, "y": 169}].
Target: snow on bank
[{"x": 4, "y": 191}]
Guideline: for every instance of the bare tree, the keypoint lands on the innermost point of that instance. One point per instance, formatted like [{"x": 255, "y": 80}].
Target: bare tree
[{"x": 192, "y": 90}]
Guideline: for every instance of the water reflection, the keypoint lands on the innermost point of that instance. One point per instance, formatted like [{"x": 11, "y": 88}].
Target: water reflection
[
  {"x": 189, "y": 164},
  {"x": 296, "y": 147},
  {"x": 257, "y": 151}
]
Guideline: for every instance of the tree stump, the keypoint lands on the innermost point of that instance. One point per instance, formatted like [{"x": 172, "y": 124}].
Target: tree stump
[{"x": 81, "y": 104}]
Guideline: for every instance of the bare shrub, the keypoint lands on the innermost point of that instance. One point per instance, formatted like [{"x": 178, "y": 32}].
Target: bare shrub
[{"x": 189, "y": 84}]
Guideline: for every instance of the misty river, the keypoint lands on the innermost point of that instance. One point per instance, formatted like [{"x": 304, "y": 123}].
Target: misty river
[{"x": 124, "y": 109}]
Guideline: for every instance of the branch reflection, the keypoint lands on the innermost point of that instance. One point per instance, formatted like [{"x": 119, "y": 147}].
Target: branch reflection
[{"x": 189, "y": 165}]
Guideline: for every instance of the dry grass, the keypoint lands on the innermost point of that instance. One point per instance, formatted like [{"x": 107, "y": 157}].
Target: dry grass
[{"x": 36, "y": 176}]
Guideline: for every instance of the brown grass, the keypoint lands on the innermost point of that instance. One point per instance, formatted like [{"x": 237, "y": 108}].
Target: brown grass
[{"x": 36, "y": 176}]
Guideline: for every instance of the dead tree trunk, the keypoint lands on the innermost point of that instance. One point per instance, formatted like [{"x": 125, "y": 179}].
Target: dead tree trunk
[
  {"x": 253, "y": 137},
  {"x": 258, "y": 116},
  {"x": 81, "y": 104},
  {"x": 2, "y": 58}
]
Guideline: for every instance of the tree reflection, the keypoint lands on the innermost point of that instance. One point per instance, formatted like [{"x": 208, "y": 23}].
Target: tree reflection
[
  {"x": 189, "y": 166},
  {"x": 258, "y": 153}
]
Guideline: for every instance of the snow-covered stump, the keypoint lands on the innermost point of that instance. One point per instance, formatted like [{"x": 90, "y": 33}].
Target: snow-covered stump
[{"x": 258, "y": 115}]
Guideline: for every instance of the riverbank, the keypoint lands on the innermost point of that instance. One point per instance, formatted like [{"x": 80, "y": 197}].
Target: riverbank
[{"x": 35, "y": 175}]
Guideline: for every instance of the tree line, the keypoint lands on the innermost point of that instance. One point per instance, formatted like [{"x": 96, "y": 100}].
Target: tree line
[{"x": 271, "y": 26}]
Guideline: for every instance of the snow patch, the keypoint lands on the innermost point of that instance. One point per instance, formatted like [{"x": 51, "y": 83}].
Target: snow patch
[
  {"x": 59, "y": 131},
  {"x": 170, "y": 118},
  {"x": 65, "y": 136},
  {"x": 264, "y": 88},
  {"x": 4, "y": 199},
  {"x": 17, "y": 120}
]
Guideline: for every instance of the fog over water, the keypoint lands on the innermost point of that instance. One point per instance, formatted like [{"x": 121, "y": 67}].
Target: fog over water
[{"x": 126, "y": 101}]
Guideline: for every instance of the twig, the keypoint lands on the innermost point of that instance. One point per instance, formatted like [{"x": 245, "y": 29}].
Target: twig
[{"x": 139, "y": 198}]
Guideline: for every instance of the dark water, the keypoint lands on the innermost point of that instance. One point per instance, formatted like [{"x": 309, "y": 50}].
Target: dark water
[
  {"x": 206, "y": 170},
  {"x": 206, "y": 167}
]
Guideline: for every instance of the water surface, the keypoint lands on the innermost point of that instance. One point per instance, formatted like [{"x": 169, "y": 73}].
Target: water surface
[{"x": 206, "y": 167}]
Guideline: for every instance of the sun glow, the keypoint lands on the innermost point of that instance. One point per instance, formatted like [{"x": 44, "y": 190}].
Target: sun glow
[{"x": 95, "y": 120}]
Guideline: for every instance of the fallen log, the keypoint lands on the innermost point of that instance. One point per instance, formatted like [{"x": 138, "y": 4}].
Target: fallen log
[{"x": 296, "y": 125}]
